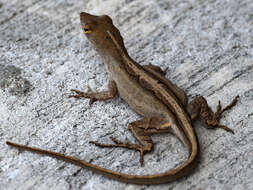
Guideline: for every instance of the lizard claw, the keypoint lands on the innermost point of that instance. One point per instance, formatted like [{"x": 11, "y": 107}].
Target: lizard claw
[
  {"x": 127, "y": 141},
  {"x": 141, "y": 157},
  {"x": 92, "y": 100},
  {"x": 116, "y": 141},
  {"x": 215, "y": 124},
  {"x": 165, "y": 70},
  {"x": 226, "y": 128}
]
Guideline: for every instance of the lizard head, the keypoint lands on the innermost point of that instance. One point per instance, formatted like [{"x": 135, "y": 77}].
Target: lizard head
[{"x": 96, "y": 30}]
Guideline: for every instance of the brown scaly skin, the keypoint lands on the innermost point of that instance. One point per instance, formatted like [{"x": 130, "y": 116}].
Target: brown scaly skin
[{"x": 162, "y": 104}]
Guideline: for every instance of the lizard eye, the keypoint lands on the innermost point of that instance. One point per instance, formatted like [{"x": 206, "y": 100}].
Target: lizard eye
[{"x": 87, "y": 29}]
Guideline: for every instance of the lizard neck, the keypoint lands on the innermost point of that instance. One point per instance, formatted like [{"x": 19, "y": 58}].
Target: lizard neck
[
  {"x": 113, "y": 60},
  {"x": 121, "y": 57},
  {"x": 115, "y": 55}
]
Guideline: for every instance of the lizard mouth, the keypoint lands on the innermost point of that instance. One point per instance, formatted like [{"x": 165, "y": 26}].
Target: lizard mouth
[{"x": 87, "y": 29}]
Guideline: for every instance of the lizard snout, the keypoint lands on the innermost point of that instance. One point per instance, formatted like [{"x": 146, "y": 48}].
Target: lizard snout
[{"x": 85, "y": 17}]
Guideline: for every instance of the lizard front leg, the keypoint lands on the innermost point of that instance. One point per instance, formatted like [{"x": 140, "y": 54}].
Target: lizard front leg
[
  {"x": 94, "y": 96},
  {"x": 142, "y": 130},
  {"x": 200, "y": 107}
]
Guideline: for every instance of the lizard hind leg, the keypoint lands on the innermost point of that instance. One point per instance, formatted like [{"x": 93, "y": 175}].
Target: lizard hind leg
[
  {"x": 200, "y": 107},
  {"x": 141, "y": 129}
]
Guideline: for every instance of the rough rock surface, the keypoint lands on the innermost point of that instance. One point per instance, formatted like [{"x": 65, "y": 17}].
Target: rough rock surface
[{"x": 207, "y": 46}]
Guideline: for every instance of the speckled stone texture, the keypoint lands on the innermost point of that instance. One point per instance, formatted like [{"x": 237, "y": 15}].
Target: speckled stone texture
[{"x": 207, "y": 46}]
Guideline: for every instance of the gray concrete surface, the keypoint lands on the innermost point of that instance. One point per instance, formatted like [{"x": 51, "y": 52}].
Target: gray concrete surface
[{"x": 207, "y": 46}]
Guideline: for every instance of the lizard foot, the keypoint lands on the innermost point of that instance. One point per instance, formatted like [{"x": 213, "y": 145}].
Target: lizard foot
[
  {"x": 80, "y": 94},
  {"x": 219, "y": 109},
  {"x": 218, "y": 113},
  {"x": 127, "y": 145}
]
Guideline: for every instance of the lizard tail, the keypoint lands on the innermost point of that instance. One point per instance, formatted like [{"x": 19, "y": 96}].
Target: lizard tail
[{"x": 165, "y": 177}]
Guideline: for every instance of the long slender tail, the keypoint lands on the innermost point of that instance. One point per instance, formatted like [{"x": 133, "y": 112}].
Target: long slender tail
[{"x": 168, "y": 176}]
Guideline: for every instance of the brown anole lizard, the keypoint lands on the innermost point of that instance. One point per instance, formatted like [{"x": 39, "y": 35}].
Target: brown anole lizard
[{"x": 145, "y": 88}]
